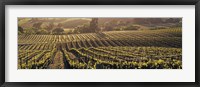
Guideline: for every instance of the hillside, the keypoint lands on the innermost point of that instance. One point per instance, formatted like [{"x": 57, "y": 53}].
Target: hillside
[{"x": 73, "y": 22}]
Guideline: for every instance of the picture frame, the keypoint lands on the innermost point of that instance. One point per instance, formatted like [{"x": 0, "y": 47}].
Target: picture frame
[{"x": 98, "y": 2}]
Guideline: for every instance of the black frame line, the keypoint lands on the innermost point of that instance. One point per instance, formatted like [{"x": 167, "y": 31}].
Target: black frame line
[{"x": 3, "y": 3}]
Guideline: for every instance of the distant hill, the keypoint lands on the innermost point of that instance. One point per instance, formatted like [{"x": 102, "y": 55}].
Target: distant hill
[
  {"x": 66, "y": 22},
  {"x": 73, "y": 22}
]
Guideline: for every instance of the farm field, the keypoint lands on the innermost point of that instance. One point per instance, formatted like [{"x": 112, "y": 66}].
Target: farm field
[{"x": 141, "y": 49}]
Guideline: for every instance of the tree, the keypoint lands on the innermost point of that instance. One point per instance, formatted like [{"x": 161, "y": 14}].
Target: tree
[
  {"x": 84, "y": 28},
  {"x": 58, "y": 31},
  {"x": 30, "y": 31},
  {"x": 20, "y": 29},
  {"x": 94, "y": 25}
]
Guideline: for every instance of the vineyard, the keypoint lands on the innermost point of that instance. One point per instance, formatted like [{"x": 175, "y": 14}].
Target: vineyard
[{"x": 145, "y": 49}]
